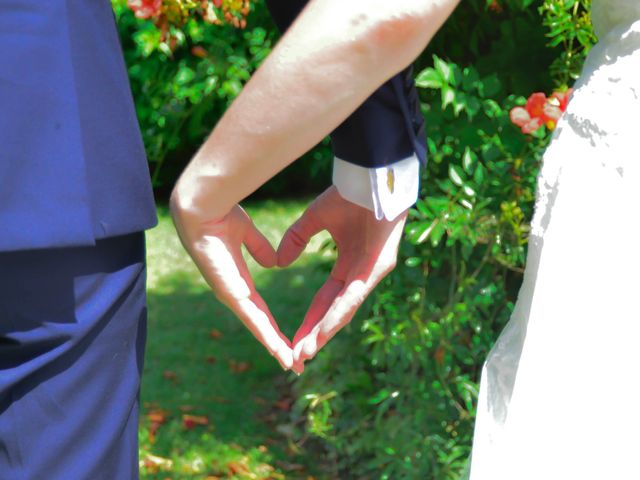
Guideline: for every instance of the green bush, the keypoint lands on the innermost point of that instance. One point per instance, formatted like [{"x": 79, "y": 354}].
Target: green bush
[
  {"x": 181, "y": 93},
  {"x": 402, "y": 403}
]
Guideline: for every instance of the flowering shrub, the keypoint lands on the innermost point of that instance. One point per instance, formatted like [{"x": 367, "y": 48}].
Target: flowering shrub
[
  {"x": 403, "y": 405},
  {"x": 166, "y": 13},
  {"x": 146, "y": 8},
  {"x": 183, "y": 82},
  {"x": 540, "y": 110}
]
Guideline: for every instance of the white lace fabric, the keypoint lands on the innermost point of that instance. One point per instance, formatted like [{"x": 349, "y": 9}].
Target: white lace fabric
[{"x": 559, "y": 389}]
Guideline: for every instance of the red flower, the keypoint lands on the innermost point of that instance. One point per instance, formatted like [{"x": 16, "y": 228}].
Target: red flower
[
  {"x": 145, "y": 8},
  {"x": 540, "y": 110},
  {"x": 523, "y": 119},
  {"x": 495, "y": 6},
  {"x": 562, "y": 98},
  {"x": 535, "y": 105}
]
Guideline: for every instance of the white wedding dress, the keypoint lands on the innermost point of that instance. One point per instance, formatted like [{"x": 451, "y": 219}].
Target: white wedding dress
[{"x": 560, "y": 391}]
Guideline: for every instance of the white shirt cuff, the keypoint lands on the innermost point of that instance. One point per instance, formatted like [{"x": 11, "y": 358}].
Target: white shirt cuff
[{"x": 387, "y": 191}]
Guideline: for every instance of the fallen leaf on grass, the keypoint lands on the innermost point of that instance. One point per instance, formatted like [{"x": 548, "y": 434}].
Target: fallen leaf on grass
[
  {"x": 194, "y": 466},
  {"x": 284, "y": 404},
  {"x": 238, "y": 468},
  {"x": 155, "y": 464},
  {"x": 169, "y": 375},
  {"x": 215, "y": 334},
  {"x": 191, "y": 421},
  {"x": 157, "y": 417},
  {"x": 293, "y": 448},
  {"x": 211, "y": 359},
  {"x": 239, "y": 367},
  {"x": 264, "y": 470}
]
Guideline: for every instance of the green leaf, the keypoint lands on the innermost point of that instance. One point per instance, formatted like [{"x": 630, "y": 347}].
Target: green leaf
[
  {"x": 459, "y": 104},
  {"x": 470, "y": 79},
  {"x": 379, "y": 397},
  {"x": 489, "y": 86},
  {"x": 492, "y": 109},
  {"x": 469, "y": 160},
  {"x": 473, "y": 106},
  {"x": 469, "y": 190},
  {"x": 429, "y": 78},
  {"x": 431, "y": 144},
  {"x": 445, "y": 70},
  {"x": 479, "y": 175},
  {"x": 448, "y": 96},
  {"x": 413, "y": 262},
  {"x": 456, "y": 174}
]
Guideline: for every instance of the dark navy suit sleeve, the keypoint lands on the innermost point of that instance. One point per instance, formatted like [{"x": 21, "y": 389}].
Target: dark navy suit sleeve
[{"x": 387, "y": 127}]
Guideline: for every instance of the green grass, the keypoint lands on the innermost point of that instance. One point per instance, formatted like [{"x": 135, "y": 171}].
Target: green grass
[{"x": 231, "y": 380}]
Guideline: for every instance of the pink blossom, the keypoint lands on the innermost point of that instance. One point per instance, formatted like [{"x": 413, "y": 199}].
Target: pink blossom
[{"x": 145, "y": 8}]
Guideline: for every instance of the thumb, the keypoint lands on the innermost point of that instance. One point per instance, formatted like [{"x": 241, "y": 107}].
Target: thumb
[{"x": 297, "y": 237}]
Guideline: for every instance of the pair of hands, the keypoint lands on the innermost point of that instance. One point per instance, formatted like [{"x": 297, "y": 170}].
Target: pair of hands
[{"x": 367, "y": 252}]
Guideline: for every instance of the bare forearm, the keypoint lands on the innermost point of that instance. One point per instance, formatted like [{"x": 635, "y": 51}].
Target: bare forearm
[{"x": 334, "y": 56}]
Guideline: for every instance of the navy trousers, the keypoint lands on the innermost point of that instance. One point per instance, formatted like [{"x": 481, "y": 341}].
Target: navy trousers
[{"x": 72, "y": 335}]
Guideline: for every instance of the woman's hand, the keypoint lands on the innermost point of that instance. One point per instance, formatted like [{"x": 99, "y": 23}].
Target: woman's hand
[
  {"x": 367, "y": 252},
  {"x": 215, "y": 245}
]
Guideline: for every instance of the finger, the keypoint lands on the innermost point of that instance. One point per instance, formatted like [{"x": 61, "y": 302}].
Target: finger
[
  {"x": 297, "y": 237},
  {"x": 257, "y": 298},
  {"x": 225, "y": 270},
  {"x": 298, "y": 368},
  {"x": 261, "y": 304},
  {"x": 261, "y": 326},
  {"x": 259, "y": 247},
  {"x": 337, "y": 317},
  {"x": 318, "y": 308},
  {"x": 320, "y": 304}
]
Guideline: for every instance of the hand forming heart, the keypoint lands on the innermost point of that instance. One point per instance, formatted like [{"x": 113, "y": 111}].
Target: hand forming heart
[{"x": 367, "y": 251}]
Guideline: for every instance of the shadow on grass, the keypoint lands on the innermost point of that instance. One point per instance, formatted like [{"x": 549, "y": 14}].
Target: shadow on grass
[{"x": 201, "y": 361}]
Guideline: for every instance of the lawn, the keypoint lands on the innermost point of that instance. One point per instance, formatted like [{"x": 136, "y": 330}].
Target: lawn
[{"x": 215, "y": 404}]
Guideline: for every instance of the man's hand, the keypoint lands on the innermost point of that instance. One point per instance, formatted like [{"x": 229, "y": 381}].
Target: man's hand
[
  {"x": 367, "y": 252},
  {"x": 215, "y": 245}
]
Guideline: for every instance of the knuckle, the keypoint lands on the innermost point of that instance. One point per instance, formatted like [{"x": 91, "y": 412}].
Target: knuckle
[{"x": 296, "y": 237}]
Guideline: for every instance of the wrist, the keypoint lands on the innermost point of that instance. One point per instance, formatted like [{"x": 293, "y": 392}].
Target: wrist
[{"x": 200, "y": 197}]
